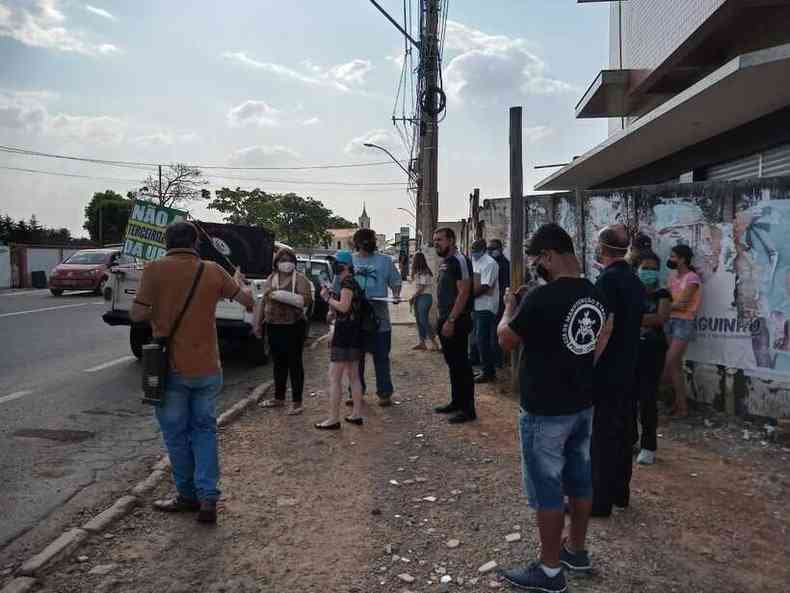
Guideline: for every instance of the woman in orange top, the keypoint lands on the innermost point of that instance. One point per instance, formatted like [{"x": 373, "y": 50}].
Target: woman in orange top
[{"x": 686, "y": 288}]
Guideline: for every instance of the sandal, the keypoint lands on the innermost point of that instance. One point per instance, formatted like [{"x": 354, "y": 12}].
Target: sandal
[
  {"x": 272, "y": 403},
  {"x": 295, "y": 411},
  {"x": 357, "y": 421},
  {"x": 335, "y": 426},
  {"x": 419, "y": 347}
]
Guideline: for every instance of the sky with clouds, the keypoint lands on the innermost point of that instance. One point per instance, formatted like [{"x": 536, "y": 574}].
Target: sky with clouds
[{"x": 273, "y": 84}]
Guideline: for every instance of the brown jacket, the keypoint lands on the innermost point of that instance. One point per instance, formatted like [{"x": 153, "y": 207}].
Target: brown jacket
[
  {"x": 164, "y": 287},
  {"x": 280, "y": 313}
]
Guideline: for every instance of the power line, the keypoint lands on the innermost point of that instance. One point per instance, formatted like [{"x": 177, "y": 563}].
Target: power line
[
  {"x": 137, "y": 181},
  {"x": 133, "y": 164}
]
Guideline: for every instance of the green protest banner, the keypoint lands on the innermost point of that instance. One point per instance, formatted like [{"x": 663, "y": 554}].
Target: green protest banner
[{"x": 145, "y": 231}]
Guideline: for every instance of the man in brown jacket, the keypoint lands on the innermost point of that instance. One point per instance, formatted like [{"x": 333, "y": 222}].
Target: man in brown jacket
[{"x": 188, "y": 417}]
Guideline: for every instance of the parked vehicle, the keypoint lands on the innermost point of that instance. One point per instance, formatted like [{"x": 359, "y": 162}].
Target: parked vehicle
[
  {"x": 87, "y": 269},
  {"x": 250, "y": 247},
  {"x": 319, "y": 271}
]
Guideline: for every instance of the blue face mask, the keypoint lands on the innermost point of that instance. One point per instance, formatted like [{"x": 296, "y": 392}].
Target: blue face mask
[
  {"x": 476, "y": 255},
  {"x": 649, "y": 278}
]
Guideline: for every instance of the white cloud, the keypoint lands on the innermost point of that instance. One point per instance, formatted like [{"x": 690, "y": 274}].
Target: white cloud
[
  {"x": 164, "y": 138},
  {"x": 21, "y": 113},
  {"x": 43, "y": 26},
  {"x": 341, "y": 77},
  {"x": 101, "y": 129},
  {"x": 263, "y": 156},
  {"x": 100, "y": 12},
  {"x": 494, "y": 67},
  {"x": 311, "y": 122},
  {"x": 257, "y": 113},
  {"x": 537, "y": 133},
  {"x": 353, "y": 72},
  {"x": 383, "y": 138}
]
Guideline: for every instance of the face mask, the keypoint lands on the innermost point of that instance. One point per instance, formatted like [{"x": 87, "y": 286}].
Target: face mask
[
  {"x": 672, "y": 265},
  {"x": 649, "y": 277},
  {"x": 495, "y": 253},
  {"x": 476, "y": 255},
  {"x": 286, "y": 267}
]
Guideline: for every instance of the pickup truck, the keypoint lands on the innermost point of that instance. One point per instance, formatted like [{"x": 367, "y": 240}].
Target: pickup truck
[{"x": 251, "y": 247}]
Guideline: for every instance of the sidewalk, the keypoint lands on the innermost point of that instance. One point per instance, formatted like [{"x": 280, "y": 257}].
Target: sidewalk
[{"x": 397, "y": 504}]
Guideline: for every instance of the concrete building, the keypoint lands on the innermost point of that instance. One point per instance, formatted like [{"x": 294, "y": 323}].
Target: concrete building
[{"x": 695, "y": 90}]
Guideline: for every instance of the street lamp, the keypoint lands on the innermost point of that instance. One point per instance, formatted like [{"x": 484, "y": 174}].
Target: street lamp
[
  {"x": 409, "y": 212},
  {"x": 410, "y": 175}
]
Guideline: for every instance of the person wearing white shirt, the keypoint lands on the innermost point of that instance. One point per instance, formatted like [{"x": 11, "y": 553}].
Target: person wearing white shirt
[{"x": 486, "y": 295}]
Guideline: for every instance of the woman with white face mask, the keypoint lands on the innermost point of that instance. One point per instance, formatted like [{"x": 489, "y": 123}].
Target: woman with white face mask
[{"x": 287, "y": 295}]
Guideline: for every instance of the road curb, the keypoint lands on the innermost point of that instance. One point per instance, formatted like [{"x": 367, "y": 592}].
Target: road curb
[
  {"x": 62, "y": 547},
  {"x": 145, "y": 486},
  {"x": 106, "y": 518},
  {"x": 20, "y": 585},
  {"x": 66, "y": 544}
]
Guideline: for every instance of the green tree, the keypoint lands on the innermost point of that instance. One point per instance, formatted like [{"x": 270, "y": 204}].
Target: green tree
[
  {"x": 297, "y": 221},
  {"x": 115, "y": 211},
  {"x": 338, "y": 222}
]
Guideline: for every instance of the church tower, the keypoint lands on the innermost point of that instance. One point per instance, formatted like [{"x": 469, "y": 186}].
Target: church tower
[{"x": 364, "y": 219}]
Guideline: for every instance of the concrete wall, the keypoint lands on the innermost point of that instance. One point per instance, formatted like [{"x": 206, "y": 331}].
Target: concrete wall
[{"x": 740, "y": 232}]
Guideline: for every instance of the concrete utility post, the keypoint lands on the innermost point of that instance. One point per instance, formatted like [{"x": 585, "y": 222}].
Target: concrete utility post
[
  {"x": 516, "y": 223},
  {"x": 431, "y": 101}
]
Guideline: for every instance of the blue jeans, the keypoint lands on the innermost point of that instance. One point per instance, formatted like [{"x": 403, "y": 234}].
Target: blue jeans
[
  {"x": 379, "y": 345},
  {"x": 555, "y": 457},
  {"x": 189, "y": 427},
  {"x": 422, "y": 306},
  {"x": 485, "y": 335}
]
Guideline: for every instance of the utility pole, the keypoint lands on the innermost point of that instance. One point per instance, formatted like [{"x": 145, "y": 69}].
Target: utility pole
[
  {"x": 431, "y": 104},
  {"x": 516, "y": 224},
  {"x": 101, "y": 223},
  {"x": 160, "y": 185}
]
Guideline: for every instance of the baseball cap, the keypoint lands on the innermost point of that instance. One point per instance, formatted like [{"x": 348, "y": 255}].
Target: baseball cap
[{"x": 344, "y": 257}]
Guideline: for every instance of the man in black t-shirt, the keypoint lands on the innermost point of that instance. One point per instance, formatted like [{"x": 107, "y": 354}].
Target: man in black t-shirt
[
  {"x": 563, "y": 328},
  {"x": 615, "y": 374},
  {"x": 454, "y": 287}
]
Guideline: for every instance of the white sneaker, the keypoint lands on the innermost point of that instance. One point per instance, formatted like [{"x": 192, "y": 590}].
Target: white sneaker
[{"x": 646, "y": 457}]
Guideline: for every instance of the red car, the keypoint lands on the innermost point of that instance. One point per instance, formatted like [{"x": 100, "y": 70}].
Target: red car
[{"x": 87, "y": 269}]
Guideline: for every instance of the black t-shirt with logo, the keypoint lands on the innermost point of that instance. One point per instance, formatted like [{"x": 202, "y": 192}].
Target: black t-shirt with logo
[
  {"x": 652, "y": 300},
  {"x": 559, "y": 325},
  {"x": 453, "y": 268}
]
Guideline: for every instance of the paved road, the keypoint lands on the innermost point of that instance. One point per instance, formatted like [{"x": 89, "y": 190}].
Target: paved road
[{"x": 72, "y": 428}]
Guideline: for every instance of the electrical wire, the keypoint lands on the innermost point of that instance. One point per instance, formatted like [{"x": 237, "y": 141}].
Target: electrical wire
[
  {"x": 137, "y": 164},
  {"x": 137, "y": 181}
]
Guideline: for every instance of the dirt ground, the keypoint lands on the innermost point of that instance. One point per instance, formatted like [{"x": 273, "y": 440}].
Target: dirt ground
[{"x": 353, "y": 511}]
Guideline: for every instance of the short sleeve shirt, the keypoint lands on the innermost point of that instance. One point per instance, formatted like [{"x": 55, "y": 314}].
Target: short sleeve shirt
[
  {"x": 488, "y": 270},
  {"x": 624, "y": 295},
  {"x": 164, "y": 287},
  {"x": 559, "y": 325},
  {"x": 677, "y": 286},
  {"x": 453, "y": 268}
]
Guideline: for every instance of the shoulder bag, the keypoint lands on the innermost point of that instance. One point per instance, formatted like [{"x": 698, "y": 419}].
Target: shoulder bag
[{"x": 156, "y": 355}]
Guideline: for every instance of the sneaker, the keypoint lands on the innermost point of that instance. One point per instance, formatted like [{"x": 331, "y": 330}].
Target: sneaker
[
  {"x": 385, "y": 401},
  {"x": 575, "y": 561},
  {"x": 534, "y": 579},
  {"x": 646, "y": 457}
]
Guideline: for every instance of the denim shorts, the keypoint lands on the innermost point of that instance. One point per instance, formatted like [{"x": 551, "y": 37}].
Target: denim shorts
[
  {"x": 680, "y": 329},
  {"x": 555, "y": 457}
]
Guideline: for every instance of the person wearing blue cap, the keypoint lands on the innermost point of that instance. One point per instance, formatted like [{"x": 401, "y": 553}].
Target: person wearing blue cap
[{"x": 346, "y": 345}]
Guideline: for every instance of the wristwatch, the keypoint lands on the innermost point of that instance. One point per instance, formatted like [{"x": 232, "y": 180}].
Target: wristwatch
[{"x": 451, "y": 319}]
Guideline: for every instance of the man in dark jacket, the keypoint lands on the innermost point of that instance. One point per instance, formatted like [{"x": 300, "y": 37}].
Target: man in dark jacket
[
  {"x": 615, "y": 373},
  {"x": 495, "y": 250}
]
